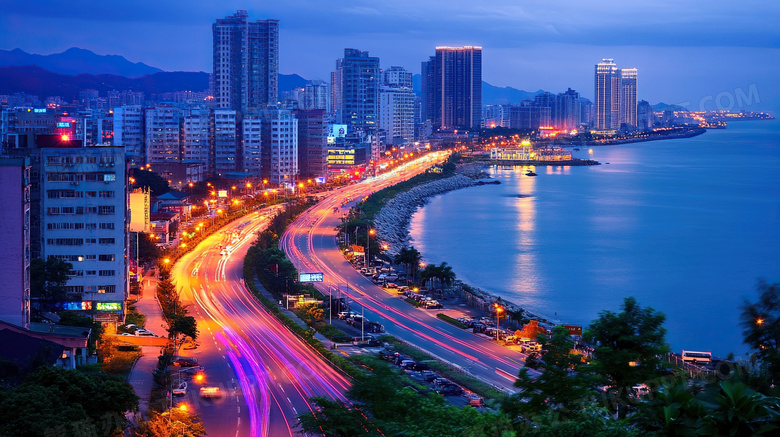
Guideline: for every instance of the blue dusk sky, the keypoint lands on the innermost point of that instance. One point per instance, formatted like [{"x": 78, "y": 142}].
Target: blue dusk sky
[{"x": 692, "y": 53}]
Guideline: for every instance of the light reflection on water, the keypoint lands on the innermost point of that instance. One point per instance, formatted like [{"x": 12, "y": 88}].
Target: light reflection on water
[{"x": 685, "y": 226}]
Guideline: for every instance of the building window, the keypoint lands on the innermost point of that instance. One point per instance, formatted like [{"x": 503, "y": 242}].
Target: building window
[
  {"x": 107, "y": 241},
  {"x": 107, "y": 273},
  {"x": 106, "y": 257},
  {"x": 106, "y": 288},
  {"x": 106, "y": 210}
]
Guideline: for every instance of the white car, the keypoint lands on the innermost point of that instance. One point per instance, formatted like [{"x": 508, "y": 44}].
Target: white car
[
  {"x": 181, "y": 390},
  {"x": 144, "y": 333}
]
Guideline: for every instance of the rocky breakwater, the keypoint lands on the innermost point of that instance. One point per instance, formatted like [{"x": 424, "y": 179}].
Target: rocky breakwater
[{"x": 392, "y": 222}]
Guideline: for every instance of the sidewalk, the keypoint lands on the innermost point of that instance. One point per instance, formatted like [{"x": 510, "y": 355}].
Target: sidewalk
[{"x": 141, "y": 378}]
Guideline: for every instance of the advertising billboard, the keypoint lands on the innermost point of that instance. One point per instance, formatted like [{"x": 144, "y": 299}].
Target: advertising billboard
[
  {"x": 338, "y": 130},
  {"x": 310, "y": 277}
]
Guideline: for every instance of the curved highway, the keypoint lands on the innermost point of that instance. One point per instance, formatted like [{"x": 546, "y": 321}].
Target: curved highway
[
  {"x": 310, "y": 242},
  {"x": 265, "y": 373}
]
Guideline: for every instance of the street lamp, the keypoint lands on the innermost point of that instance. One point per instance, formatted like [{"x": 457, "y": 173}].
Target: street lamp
[
  {"x": 498, "y": 315},
  {"x": 369, "y": 233}
]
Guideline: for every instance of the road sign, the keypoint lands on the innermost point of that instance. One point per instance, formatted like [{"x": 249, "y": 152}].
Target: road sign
[{"x": 310, "y": 277}]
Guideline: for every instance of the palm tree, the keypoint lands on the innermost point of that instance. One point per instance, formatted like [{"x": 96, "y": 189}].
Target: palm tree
[{"x": 410, "y": 259}]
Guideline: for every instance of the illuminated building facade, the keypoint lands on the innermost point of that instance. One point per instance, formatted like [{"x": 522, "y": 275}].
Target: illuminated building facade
[
  {"x": 628, "y": 96},
  {"x": 279, "y": 146},
  {"x": 356, "y": 92},
  {"x": 162, "y": 134},
  {"x": 15, "y": 227},
  {"x": 129, "y": 132},
  {"x": 608, "y": 89}
]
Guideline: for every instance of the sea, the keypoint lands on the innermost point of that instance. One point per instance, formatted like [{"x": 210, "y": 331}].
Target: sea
[{"x": 686, "y": 226}]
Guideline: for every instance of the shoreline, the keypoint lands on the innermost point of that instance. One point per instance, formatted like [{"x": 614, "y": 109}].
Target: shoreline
[{"x": 394, "y": 219}]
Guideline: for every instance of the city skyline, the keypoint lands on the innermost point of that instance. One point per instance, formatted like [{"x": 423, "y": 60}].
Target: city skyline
[{"x": 526, "y": 47}]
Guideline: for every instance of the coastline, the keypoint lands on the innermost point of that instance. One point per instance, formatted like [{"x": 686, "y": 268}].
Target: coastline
[{"x": 394, "y": 219}]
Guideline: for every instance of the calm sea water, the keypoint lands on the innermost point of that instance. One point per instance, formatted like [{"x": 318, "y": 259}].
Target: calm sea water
[{"x": 686, "y": 226}]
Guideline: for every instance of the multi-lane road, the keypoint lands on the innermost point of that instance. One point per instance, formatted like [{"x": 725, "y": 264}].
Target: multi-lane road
[
  {"x": 310, "y": 242},
  {"x": 264, "y": 372}
]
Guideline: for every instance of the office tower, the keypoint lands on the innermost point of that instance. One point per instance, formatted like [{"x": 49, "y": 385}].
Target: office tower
[
  {"x": 315, "y": 95},
  {"x": 628, "y": 96},
  {"x": 356, "y": 80},
  {"x": 15, "y": 228},
  {"x": 196, "y": 137},
  {"x": 397, "y": 77},
  {"x": 312, "y": 143},
  {"x": 226, "y": 150},
  {"x": 529, "y": 116},
  {"x": 280, "y": 146},
  {"x": 608, "y": 90},
  {"x": 83, "y": 220},
  {"x": 547, "y": 100},
  {"x": 452, "y": 86},
  {"x": 251, "y": 144},
  {"x": 246, "y": 62},
  {"x": 163, "y": 135},
  {"x": 645, "y": 116},
  {"x": 129, "y": 132},
  {"x": 568, "y": 109}
]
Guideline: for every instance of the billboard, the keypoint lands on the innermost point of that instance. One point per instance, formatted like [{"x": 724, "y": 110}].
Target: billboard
[
  {"x": 108, "y": 306},
  {"x": 222, "y": 193},
  {"x": 310, "y": 277},
  {"x": 338, "y": 130},
  {"x": 574, "y": 329}
]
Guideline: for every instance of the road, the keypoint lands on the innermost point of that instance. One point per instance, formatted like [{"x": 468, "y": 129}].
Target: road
[
  {"x": 265, "y": 373},
  {"x": 310, "y": 242}
]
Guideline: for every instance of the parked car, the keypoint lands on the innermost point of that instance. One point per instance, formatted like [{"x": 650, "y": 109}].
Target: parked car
[
  {"x": 427, "y": 375},
  {"x": 474, "y": 400},
  {"x": 144, "y": 333},
  {"x": 185, "y": 361},
  {"x": 181, "y": 390}
]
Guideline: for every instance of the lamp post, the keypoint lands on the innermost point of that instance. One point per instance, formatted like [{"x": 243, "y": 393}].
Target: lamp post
[
  {"x": 369, "y": 233},
  {"x": 498, "y": 315}
]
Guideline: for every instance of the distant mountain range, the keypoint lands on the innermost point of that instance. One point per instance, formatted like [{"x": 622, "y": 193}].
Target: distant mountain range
[
  {"x": 77, "y": 61},
  {"x": 491, "y": 95},
  {"x": 660, "y": 107}
]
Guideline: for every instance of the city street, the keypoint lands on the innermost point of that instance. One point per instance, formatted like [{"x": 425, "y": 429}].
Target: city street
[
  {"x": 310, "y": 242},
  {"x": 265, "y": 373}
]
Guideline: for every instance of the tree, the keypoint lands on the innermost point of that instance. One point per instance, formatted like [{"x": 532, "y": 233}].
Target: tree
[
  {"x": 563, "y": 382},
  {"x": 148, "y": 252},
  {"x": 55, "y": 401},
  {"x": 531, "y": 330},
  {"x": 151, "y": 181},
  {"x": 172, "y": 423},
  {"x": 47, "y": 281},
  {"x": 334, "y": 419},
  {"x": 410, "y": 258},
  {"x": 761, "y": 323},
  {"x": 72, "y": 318},
  {"x": 186, "y": 325},
  {"x": 629, "y": 349}
]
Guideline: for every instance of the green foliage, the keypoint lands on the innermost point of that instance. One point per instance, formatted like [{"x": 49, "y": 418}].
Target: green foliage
[
  {"x": 451, "y": 320},
  {"x": 410, "y": 258},
  {"x": 413, "y": 302},
  {"x": 186, "y": 325},
  {"x": 151, "y": 181},
  {"x": 586, "y": 422},
  {"x": 72, "y": 318},
  {"x": 761, "y": 323},
  {"x": 440, "y": 275},
  {"x": 148, "y": 252},
  {"x": 47, "y": 282},
  {"x": 133, "y": 317},
  {"x": 171, "y": 423},
  {"x": 70, "y": 402},
  {"x": 563, "y": 383},
  {"x": 629, "y": 348},
  {"x": 333, "y": 419}
]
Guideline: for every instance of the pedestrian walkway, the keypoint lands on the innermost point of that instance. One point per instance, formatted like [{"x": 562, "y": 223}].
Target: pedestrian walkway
[{"x": 141, "y": 376}]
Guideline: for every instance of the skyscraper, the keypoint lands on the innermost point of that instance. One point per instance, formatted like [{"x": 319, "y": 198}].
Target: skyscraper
[
  {"x": 607, "y": 95},
  {"x": 452, "y": 87},
  {"x": 246, "y": 62},
  {"x": 628, "y": 96},
  {"x": 356, "y": 92},
  {"x": 396, "y": 106},
  {"x": 615, "y": 96}
]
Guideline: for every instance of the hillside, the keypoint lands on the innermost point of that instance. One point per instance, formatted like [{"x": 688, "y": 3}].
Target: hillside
[{"x": 77, "y": 61}]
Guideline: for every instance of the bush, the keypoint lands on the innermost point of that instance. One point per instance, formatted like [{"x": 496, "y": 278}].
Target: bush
[{"x": 451, "y": 321}]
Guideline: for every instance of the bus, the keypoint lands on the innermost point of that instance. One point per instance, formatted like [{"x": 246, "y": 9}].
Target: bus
[{"x": 696, "y": 356}]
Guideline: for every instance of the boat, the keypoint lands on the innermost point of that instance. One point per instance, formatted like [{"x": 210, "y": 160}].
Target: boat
[{"x": 530, "y": 173}]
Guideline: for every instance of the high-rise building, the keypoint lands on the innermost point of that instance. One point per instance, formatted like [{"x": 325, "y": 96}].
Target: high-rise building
[
  {"x": 607, "y": 85},
  {"x": 246, "y": 62},
  {"x": 644, "y": 115},
  {"x": 163, "y": 135},
  {"x": 356, "y": 80},
  {"x": 616, "y": 96},
  {"x": 251, "y": 144},
  {"x": 396, "y": 114},
  {"x": 129, "y": 132},
  {"x": 452, "y": 88},
  {"x": 312, "y": 143},
  {"x": 397, "y": 77},
  {"x": 196, "y": 137},
  {"x": 225, "y": 138},
  {"x": 280, "y": 146},
  {"x": 568, "y": 111},
  {"x": 315, "y": 95},
  {"x": 15, "y": 228},
  {"x": 628, "y": 96}
]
